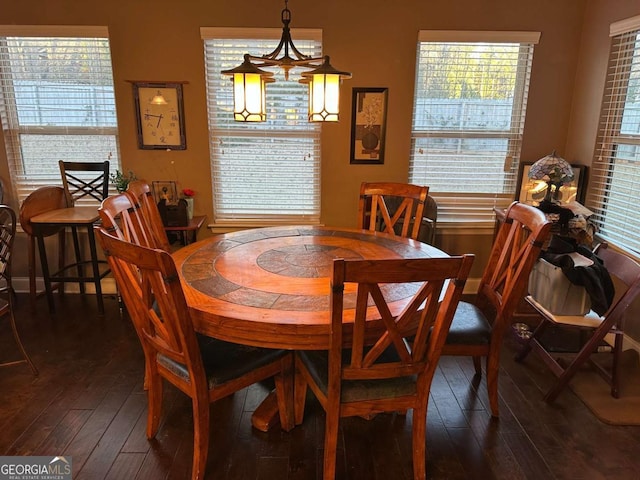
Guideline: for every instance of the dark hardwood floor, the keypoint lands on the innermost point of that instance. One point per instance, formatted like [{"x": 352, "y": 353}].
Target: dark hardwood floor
[{"x": 88, "y": 403}]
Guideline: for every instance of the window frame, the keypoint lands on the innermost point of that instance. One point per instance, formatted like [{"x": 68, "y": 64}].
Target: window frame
[
  {"x": 612, "y": 218},
  {"x": 264, "y": 130},
  {"x": 14, "y": 133},
  {"x": 475, "y": 209}
]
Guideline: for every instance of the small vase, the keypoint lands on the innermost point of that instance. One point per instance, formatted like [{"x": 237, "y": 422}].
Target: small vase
[
  {"x": 189, "y": 201},
  {"x": 370, "y": 141}
]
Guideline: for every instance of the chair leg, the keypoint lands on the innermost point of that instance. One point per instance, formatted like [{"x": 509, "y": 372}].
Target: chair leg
[
  {"x": 477, "y": 365},
  {"x": 617, "y": 352},
  {"x": 526, "y": 348},
  {"x": 62, "y": 256},
  {"x": 200, "y": 436},
  {"x": 331, "y": 439},
  {"x": 12, "y": 319},
  {"x": 419, "y": 435},
  {"x": 32, "y": 271},
  {"x": 154, "y": 396},
  {"x": 492, "y": 386},
  {"x": 582, "y": 356},
  {"x": 79, "y": 257},
  {"x": 493, "y": 370}
]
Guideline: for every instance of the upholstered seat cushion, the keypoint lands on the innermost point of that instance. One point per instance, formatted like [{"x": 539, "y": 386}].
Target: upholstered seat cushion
[
  {"x": 469, "y": 326},
  {"x": 317, "y": 363},
  {"x": 225, "y": 361}
]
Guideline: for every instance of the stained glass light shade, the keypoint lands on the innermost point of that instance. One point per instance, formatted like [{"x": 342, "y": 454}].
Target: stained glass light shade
[{"x": 554, "y": 170}]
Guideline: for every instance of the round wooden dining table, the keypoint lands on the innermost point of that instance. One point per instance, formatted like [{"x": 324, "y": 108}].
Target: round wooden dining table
[{"x": 270, "y": 287}]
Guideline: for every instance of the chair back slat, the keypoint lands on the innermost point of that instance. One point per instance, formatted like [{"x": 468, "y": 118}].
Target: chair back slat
[
  {"x": 406, "y": 201},
  {"x": 78, "y": 182},
  {"x": 125, "y": 219},
  {"x": 401, "y": 345},
  {"x": 141, "y": 195}
]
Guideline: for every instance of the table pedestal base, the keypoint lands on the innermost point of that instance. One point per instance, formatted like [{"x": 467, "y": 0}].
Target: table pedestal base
[{"x": 267, "y": 415}]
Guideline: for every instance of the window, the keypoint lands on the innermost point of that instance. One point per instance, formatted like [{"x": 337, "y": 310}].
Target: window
[
  {"x": 468, "y": 119},
  {"x": 268, "y": 172},
  {"x": 615, "y": 170},
  {"x": 56, "y": 101}
]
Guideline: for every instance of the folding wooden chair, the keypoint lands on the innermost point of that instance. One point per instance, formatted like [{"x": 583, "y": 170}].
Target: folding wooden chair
[{"x": 605, "y": 330}]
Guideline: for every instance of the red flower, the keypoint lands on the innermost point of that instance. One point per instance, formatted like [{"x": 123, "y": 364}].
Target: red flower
[{"x": 187, "y": 192}]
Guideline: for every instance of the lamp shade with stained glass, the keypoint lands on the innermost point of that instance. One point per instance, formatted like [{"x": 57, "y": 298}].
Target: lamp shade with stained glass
[{"x": 554, "y": 170}]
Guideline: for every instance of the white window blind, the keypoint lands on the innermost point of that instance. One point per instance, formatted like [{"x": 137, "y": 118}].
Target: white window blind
[
  {"x": 614, "y": 185},
  {"x": 269, "y": 172},
  {"x": 56, "y": 101},
  {"x": 468, "y": 119}
]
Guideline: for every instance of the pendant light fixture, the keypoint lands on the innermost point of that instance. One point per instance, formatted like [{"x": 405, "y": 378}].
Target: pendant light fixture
[{"x": 249, "y": 80}]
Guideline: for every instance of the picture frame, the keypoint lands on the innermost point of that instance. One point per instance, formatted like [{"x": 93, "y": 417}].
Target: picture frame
[
  {"x": 165, "y": 190},
  {"x": 160, "y": 126},
  {"x": 532, "y": 192},
  {"x": 368, "y": 125}
]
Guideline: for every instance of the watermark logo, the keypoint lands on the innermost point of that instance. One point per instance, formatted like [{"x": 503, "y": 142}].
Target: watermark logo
[{"x": 35, "y": 468}]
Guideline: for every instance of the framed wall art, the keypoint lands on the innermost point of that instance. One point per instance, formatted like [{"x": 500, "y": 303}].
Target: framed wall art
[
  {"x": 165, "y": 190},
  {"x": 368, "y": 125},
  {"x": 159, "y": 115},
  {"x": 532, "y": 191}
]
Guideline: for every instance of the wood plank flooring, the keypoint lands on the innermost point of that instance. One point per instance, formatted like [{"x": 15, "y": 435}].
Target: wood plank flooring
[{"x": 88, "y": 403}]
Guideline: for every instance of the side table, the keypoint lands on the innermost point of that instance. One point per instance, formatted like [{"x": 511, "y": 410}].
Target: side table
[{"x": 188, "y": 233}]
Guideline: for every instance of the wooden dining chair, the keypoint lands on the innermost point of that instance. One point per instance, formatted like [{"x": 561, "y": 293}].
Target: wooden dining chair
[
  {"x": 205, "y": 369},
  {"x": 7, "y": 236},
  {"x": 41, "y": 200},
  {"x": 84, "y": 181},
  {"x": 125, "y": 219},
  {"x": 141, "y": 194},
  {"x": 601, "y": 330},
  {"x": 374, "y": 213},
  {"x": 389, "y": 364},
  {"x": 430, "y": 221},
  {"x": 478, "y": 328}
]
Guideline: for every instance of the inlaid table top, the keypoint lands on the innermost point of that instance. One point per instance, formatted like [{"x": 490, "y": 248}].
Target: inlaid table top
[{"x": 270, "y": 286}]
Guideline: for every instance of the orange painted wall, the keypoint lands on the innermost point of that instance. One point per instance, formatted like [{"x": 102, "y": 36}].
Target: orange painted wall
[{"x": 375, "y": 40}]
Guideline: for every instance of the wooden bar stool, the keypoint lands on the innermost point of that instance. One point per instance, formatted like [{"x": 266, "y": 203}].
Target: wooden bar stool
[{"x": 75, "y": 218}]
